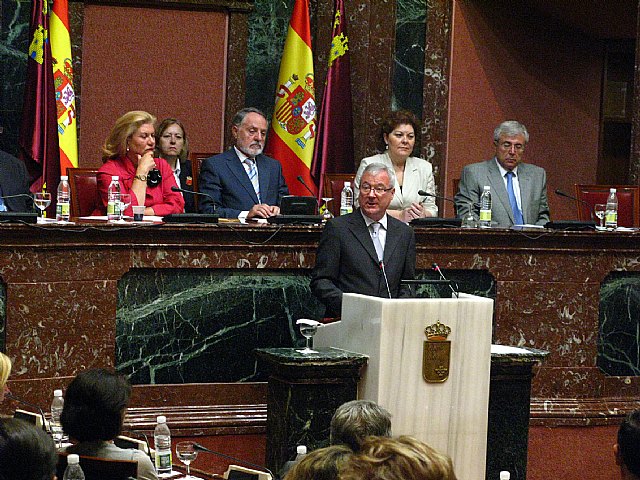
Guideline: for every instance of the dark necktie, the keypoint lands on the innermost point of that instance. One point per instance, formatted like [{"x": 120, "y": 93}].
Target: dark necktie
[{"x": 517, "y": 214}]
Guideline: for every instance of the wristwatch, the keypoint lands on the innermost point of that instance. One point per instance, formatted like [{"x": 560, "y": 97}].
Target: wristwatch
[{"x": 142, "y": 178}]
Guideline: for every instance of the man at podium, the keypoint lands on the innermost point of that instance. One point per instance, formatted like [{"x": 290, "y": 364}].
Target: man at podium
[{"x": 367, "y": 251}]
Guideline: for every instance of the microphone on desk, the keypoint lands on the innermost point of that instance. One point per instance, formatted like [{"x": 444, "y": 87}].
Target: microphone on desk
[
  {"x": 301, "y": 180},
  {"x": 191, "y": 192},
  {"x": 17, "y": 399},
  {"x": 571, "y": 197},
  {"x": 448, "y": 199},
  {"x": 202, "y": 448},
  {"x": 436, "y": 267}
]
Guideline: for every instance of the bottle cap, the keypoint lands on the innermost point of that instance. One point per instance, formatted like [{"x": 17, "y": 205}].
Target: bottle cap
[
  {"x": 612, "y": 190},
  {"x": 57, "y": 393},
  {"x": 73, "y": 459},
  {"x": 161, "y": 419},
  {"x": 64, "y": 177},
  {"x": 301, "y": 449},
  {"x": 487, "y": 187},
  {"x": 504, "y": 475},
  {"x": 347, "y": 184},
  {"x": 114, "y": 177}
]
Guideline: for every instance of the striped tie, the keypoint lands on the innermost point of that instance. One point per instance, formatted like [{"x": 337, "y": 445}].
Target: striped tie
[
  {"x": 252, "y": 171},
  {"x": 517, "y": 214}
]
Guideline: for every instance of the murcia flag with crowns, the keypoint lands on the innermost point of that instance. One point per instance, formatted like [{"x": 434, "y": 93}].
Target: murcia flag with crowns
[{"x": 293, "y": 126}]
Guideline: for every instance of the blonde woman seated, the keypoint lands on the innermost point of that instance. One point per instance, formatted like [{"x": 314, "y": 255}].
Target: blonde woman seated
[
  {"x": 5, "y": 371},
  {"x": 397, "y": 141}
]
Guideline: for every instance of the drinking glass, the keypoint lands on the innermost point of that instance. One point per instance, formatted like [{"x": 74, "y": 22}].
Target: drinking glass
[
  {"x": 326, "y": 211},
  {"x": 469, "y": 221},
  {"x": 125, "y": 201},
  {"x": 308, "y": 329},
  {"x": 42, "y": 201},
  {"x": 600, "y": 209},
  {"x": 186, "y": 453}
]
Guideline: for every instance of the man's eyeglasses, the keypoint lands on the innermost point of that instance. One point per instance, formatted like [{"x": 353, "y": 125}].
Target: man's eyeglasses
[
  {"x": 507, "y": 146},
  {"x": 379, "y": 190}
]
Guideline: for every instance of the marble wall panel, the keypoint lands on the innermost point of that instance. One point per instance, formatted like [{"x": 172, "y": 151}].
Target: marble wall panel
[
  {"x": 408, "y": 58},
  {"x": 74, "y": 331},
  {"x": 180, "y": 326},
  {"x": 554, "y": 382}
]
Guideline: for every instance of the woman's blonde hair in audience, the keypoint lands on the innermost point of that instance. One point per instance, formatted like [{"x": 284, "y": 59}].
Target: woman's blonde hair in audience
[
  {"x": 321, "y": 464},
  {"x": 116, "y": 144},
  {"x": 402, "y": 458},
  {"x": 5, "y": 369}
]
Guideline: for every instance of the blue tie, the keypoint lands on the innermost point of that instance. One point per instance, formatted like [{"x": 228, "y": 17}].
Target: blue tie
[{"x": 517, "y": 214}]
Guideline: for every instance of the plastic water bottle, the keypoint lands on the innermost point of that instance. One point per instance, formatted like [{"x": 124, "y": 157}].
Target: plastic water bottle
[
  {"x": 346, "y": 199},
  {"x": 57, "y": 404},
  {"x": 301, "y": 452},
  {"x": 73, "y": 470},
  {"x": 485, "y": 208},
  {"x": 113, "y": 199},
  {"x": 504, "y": 475},
  {"x": 64, "y": 197},
  {"x": 162, "y": 443},
  {"x": 611, "y": 211}
]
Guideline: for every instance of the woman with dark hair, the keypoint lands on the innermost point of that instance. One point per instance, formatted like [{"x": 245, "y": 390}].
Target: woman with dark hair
[
  {"x": 26, "y": 452},
  {"x": 128, "y": 153},
  {"x": 172, "y": 145},
  {"x": 397, "y": 141},
  {"x": 94, "y": 409}
]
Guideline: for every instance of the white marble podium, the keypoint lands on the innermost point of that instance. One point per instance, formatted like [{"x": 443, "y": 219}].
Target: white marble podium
[{"x": 449, "y": 416}]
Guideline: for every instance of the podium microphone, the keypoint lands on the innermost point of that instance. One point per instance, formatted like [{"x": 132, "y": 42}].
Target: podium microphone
[
  {"x": 190, "y": 192},
  {"x": 384, "y": 274},
  {"x": 560, "y": 193},
  {"x": 301, "y": 180},
  {"x": 448, "y": 199},
  {"x": 12, "y": 396},
  {"x": 436, "y": 267},
  {"x": 202, "y": 448}
]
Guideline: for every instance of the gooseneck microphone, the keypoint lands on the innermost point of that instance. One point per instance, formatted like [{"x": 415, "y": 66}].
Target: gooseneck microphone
[
  {"x": 202, "y": 448},
  {"x": 448, "y": 199},
  {"x": 301, "y": 180},
  {"x": 384, "y": 274},
  {"x": 190, "y": 192},
  {"x": 436, "y": 267},
  {"x": 560, "y": 193},
  {"x": 15, "y": 398}
]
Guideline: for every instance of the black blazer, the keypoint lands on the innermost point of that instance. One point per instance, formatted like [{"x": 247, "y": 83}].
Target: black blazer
[
  {"x": 14, "y": 180},
  {"x": 186, "y": 183},
  {"x": 346, "y": 261}
]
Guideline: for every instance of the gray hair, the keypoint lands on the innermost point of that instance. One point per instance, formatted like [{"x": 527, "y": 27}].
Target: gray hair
[
  {"x": 238, "y": 118},
  {"x": 510, "y": 128},
  {"x": 375, "y": 168},
  {"x": 356, "y": 420}
]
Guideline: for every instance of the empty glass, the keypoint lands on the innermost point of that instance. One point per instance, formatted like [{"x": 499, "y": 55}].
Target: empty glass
[
  {"x": 599, "y": 209},
  {"x": 42, "y": 201},
  {"x": 308, "y": 329},
  {"x": 187, "y": 453},
  {"x": 469, "y": 221}
]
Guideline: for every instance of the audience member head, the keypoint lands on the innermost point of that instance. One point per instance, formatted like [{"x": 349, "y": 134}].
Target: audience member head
[
  {"x": 402, "y": 458},
  {"x": 129, "y": 124},
  {"x": 249, "y": 129},
  {"x": 376, "y": 189},
  {"x": 627, "y": 450},
  {"x": 358, "y": 419},
  {"x": 5, "y": 371},
  {"x": 95, "y": 404},
  {"x": 393, "y": 121},
  {"x": 171, "y": 140},
  {"x": 510, "y": 139},
  {"x": 321, "y": 464},
  {"x": 26, "y": 452}
]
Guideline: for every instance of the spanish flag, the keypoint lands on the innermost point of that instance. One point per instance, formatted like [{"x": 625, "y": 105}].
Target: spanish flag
[
  {"x": 63, "y": 84},
  {"x": 293, "y": 126}
]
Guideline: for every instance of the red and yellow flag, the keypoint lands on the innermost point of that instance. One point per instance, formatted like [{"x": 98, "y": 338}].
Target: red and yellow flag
[
  {"x": 63, "y": 83},
  {"x": 292, "y": 133}
]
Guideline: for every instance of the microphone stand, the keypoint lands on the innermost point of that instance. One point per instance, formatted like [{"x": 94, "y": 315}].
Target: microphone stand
[
  {"x": 571, "y": 197},
  {"x": 17, "y": 399},
  {"x": 202, "y": 448},
  {"x": 301, "y": 180}
]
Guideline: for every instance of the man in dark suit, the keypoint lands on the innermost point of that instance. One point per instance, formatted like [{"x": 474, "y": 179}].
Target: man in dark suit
[
  {"x": 367, "y": 251},
  {"x": 243, "y": 182},
  {"x": 14, "y": 180},
  {"x": 518, "y": 190}
]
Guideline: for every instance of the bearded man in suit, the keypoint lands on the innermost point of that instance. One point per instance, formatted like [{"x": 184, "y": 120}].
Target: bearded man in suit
[
  {"x": 243, "y": 182},
  {"x": 367, "y": 251},
  {"x": 518, "y": 190}
]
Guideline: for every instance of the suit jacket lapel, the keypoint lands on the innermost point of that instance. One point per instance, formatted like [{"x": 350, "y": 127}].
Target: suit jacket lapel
[
  {"x": 391, "y": 242},
  {"x": 524, "y": 180},
  {"x": 263, "y": 177},
  {"x": 236, "y": 167},
  {"x": 411, "y": 183},
  {"x": 500, "y": 191},
  {"x": 359, "y": 229}
]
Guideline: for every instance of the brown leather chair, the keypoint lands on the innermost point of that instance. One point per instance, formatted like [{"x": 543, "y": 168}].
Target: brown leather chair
[
  {"x": 84, "y": 191},
  {"x": 628, "y": 202},
  {"x": 333, "y": 183},
  {"x": 196, "y": 159},
  {"x": 100, "y": 468}
]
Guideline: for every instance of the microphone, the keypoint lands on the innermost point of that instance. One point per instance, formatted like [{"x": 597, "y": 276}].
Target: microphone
[
  {"x": 202, "y": 448},
  {"x": 384, "y": 274},
  {"x": 15, "y": 398},
  {"x": 190, "y": 192},
  {"x": 301, "y": 180},
  {"x": 448, "y": 199},
  {"x": 566, "y": 195},
  {"x": 436, "y": 267}
]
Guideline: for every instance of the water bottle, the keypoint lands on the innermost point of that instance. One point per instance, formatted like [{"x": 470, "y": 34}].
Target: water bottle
[
  {"x": 73, "y": 470},
  {"x": 346, "y": 199},
  {"x": 301, "y": 452},
  {"x": 64, "y": 197},
  {"x": 113, "y": 199},
  {"x": 504, "y": 475},
  {"x": 57, "y": 404},
  {"x": 162, "y": 443},
  {"x": 611, "y": 211},
  {"x": 485, "y": 208}
]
